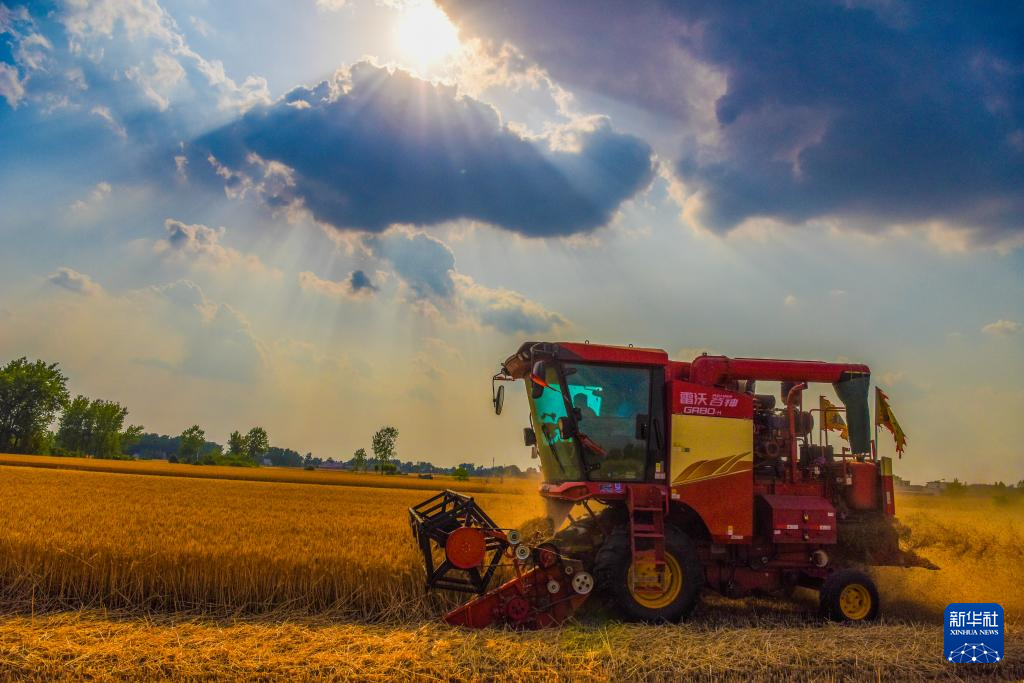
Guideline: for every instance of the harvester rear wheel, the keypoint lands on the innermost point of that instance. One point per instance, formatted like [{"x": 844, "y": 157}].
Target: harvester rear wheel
[
  {"x": 848, "y": 595},
  {"x": 683, "y": 581}
]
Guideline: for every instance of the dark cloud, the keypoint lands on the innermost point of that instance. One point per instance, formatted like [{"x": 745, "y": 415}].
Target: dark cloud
[
  {"x": 879, "y": 111},
  {"x": 425, "y": 263},
  {"x": 356, "y": 286},
  {"x": 426, "y": 266},
  {"x": 359, "y": 281},
  {"x": 372, "y": 148}
]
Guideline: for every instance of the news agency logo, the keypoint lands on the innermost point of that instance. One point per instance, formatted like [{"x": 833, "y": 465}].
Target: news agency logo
[{"x": 974, "y": 633}]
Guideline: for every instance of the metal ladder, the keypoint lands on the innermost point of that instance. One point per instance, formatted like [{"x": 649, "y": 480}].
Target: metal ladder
[{"x": 646, "y": 506}]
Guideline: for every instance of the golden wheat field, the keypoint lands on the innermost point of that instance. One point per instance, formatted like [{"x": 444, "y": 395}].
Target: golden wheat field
[{"x": 106, "y": 574}]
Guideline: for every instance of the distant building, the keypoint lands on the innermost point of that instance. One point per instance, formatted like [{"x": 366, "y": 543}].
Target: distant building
[
  {"x": 333, "y": 466},
  {"x": 935, "y": 486},
  {"x": 904, "y": 486}
]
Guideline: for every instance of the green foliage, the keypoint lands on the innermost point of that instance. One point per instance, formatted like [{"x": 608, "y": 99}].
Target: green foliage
[
  {"x": 236, "y": 444},
  {"x": 256, "y": 444},
  {"x": 130, "y": 436},
  {"x": 359, "y": 459},
  {"x": 31, "y": 394},
  {"x": 461, "y": 474},
  {"x": 191, "y": 445},
  {"x": 95, "y": 428},
  {"x": 284, "y": 457},
  {"x": 158, "y": 446},
  {"x": 384, "y": 445}
]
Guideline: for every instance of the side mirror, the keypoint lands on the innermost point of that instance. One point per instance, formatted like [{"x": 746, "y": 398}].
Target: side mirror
[
  {"x": 537, "y": 379},
  {"x": 499, "y": 399},
  {"x": 536, "y": 389},
  {"x": 529, "y": 436}
]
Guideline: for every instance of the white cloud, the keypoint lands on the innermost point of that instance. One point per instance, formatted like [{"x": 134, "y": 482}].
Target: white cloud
[
  {"x": 112, "y": 122},
  {"x": 214, "y": 340},
  {"x": 32, "y": 51},
  {"x": 90, "y": 22},
  {"x": 158, "y": 82},
  {"x": 504, "y": 310},
  {"x": 1002, "y": 328},
  {"x": 74, "y": 281},
  {"x": 202, "y": 27},
  {"x": 790, "y": 300},
  {"x": 12, "y": 88},
  {"x": 331, "y": 5},
  {"x": 202, "y": 245},
  {"x": 96, "y": 196}
]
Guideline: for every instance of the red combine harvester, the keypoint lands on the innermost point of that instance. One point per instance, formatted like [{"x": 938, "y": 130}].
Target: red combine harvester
[{"x": 673, "y": 477}]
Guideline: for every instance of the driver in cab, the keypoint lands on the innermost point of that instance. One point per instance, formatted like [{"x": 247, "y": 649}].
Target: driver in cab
[{"x": 582, "y": 406}]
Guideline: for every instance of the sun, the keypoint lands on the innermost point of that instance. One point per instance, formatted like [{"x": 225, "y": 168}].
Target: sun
[{"x": 424, "y": 35}]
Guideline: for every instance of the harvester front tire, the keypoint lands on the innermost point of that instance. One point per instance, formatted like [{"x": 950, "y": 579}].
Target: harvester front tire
[
  {"x": 612, "y": 566},
  {"x": 848, "y": 595}
]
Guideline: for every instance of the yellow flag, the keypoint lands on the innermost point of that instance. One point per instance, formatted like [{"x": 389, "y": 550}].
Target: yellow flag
[
  {"x": 885, "y": 418},
  {"x": 832, "y": 419}
]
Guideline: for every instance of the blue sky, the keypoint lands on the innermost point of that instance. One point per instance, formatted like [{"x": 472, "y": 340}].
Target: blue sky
[{"x": 327, "y": 215}]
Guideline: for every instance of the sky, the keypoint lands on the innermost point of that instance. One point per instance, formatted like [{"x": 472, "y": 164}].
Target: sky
[{"x": 324, "y": 216}]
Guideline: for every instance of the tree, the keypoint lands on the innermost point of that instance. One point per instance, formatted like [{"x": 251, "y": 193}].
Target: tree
[
  {"x": 236, "y": 445},
  {"x": 130, "y": 437},
  {"x": 359, "y": 459},
  {"x": 384, "y": 445},
  {"x": 192, "y": 441},
  {"x": 256, "y": 444},
  {"x": 284, "y": 457},
  {"x": 153, "y": 446},
  {"x": 31, "y": 394},
  {"x": 95, "y": 428},
  {"x": 74, "y": 429},
  {"x": 460, "y": 474}
]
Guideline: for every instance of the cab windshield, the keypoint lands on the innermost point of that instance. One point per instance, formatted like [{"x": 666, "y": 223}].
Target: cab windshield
[
  {"x": 559, "y": 456},
  {"x": 608, "y": 403}
]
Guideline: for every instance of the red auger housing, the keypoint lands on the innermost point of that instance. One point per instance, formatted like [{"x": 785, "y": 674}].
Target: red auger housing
[{"x": 680, "y": 476}]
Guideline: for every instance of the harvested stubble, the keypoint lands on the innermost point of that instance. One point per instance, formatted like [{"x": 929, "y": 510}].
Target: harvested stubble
[{"x": 91, "y": 646}]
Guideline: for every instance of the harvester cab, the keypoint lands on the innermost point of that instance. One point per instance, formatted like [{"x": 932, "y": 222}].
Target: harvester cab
[{"x": 664, "y": 478}]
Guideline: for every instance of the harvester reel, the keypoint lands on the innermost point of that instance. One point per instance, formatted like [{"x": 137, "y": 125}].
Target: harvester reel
[
  {"x": 472, "y": 545},
  {"x": 462, "y": 549}
]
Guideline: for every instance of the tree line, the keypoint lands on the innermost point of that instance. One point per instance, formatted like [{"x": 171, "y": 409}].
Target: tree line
[
  {"x": 34, "y": 395},
  {"x": 39, "y": 416}
]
